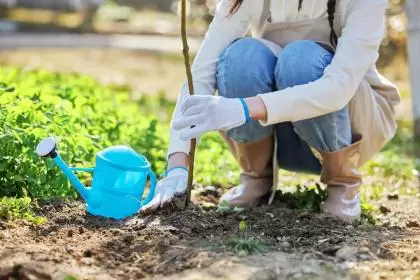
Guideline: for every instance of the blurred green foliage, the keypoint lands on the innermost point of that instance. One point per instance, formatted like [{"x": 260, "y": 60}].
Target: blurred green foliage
[
  {"x": 395, "y": 168},
  {"x": 18, "y": 208},
  {"x": 85, "y": 116}
]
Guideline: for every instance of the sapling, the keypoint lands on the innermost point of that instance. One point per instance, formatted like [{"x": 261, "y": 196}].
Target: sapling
[
  {"x": 243, "y": 244},
  {"x": 191, "y": 92}
]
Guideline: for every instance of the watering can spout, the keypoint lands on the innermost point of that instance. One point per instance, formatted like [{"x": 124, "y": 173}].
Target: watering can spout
[{"x": 48, "y": 148}]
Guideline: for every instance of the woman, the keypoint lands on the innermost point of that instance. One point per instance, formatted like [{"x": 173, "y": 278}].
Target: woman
[{"x": 301, "y": 94}]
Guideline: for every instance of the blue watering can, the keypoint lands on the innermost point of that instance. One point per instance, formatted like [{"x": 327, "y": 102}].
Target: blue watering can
[{"x": 119, "y": 180}]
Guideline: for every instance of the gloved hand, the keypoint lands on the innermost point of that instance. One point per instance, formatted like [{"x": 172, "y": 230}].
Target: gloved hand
[
  {"x": 204, "y": 113},
  {"x": 174, "y": 184}
]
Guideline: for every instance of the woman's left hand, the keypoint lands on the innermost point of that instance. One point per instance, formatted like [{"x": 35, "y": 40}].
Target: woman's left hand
[{"x": 204, "y": 113}]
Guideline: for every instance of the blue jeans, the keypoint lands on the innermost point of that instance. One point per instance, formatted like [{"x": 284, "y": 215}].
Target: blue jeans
[{"x": 247, "y": 68}]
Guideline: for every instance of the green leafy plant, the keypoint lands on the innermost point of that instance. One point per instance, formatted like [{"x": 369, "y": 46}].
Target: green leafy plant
[
  {"x": 86, "y": 117},
  {"x": 19, "y": 208},
  {"x": 305, "y": 198},
  {"x": 369, "y": 213},
  {"x": 225, "y": 207},
  {"x": 244, "y": 243}
]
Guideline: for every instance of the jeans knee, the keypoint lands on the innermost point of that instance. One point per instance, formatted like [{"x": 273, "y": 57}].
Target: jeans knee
[
  {"x": 328, "y": 133},
  {"x": 246, "y": 63},
  {"x": 300, "y": 63}
]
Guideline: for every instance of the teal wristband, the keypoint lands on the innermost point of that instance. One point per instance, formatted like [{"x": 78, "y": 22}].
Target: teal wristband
[
  {"x": 164, "y": 174},
  {"x": 246, "y": 110}
]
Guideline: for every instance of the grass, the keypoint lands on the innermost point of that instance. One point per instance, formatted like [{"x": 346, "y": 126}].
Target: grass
[{"x": 394, "y": 169}]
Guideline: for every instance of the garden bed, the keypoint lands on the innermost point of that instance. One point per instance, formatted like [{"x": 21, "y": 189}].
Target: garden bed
[{"x": 198, "y": 244}]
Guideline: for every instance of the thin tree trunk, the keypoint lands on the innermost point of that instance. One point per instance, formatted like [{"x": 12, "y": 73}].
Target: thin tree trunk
[
  {"x": 191, "y": 92},
  {"x": 413, "y": 12}
]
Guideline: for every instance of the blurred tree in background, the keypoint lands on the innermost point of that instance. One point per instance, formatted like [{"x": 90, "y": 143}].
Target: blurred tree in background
[{"x": 395, "y": 44}]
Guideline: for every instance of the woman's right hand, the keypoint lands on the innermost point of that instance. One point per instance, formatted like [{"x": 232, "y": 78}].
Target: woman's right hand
[{"x": 174, "y": 184}]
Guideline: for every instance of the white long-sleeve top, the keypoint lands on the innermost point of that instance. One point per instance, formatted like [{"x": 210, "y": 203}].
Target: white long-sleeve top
[{"x": 363, "y": 24}]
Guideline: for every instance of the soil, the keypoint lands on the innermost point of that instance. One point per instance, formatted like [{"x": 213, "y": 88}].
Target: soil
[{"x": 194, "y": 244}]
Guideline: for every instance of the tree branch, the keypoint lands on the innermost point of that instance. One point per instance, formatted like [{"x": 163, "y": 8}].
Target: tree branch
[{"x": 191, "y": 92}]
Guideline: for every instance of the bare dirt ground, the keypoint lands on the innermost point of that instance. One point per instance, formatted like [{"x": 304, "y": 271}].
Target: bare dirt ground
[{"x": 194, "y": 244}]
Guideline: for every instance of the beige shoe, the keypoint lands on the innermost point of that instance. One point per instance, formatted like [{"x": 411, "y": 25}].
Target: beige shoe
[
  {"x": 256, "y": 161},
  {"x": 340, "y": 174}
]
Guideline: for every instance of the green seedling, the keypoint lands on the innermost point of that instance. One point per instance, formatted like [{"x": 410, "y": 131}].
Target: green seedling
[
  {"x": 224, "y": 207},
  {"x": 244, "y": 243},
  {"x": 369, "y": 213}
]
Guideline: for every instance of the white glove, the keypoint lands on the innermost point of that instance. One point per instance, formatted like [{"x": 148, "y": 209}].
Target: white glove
[
  {"x": 174, "y": 184},
  {"x": 204, "y": 113}
]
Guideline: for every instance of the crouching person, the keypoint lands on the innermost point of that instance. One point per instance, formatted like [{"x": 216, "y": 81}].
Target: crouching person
[{"x": 301, "y": 94}]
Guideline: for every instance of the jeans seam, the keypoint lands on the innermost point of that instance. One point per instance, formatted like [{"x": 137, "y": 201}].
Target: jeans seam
[
  {"x": 334, "y": 121},
  {"x": 224, "y": 81},
  {"x": 322, "y": 61},
  {"x": 224, "y": 70},
  {"x": 247, "y": 135}
]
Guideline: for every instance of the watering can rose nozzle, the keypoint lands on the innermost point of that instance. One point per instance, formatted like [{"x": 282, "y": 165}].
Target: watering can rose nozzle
[{"x": 47, "y": 148}]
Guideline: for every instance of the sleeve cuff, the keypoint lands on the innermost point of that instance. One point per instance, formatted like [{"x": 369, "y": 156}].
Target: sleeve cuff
[
  {"x": 280, "y": 107},
  {"x": 177, "y": 145}
]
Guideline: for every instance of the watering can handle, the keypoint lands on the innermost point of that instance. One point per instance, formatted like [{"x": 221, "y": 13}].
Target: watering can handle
[
  {"x": 153, "y": 182},
  {"x": 83, "y": 169}
]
